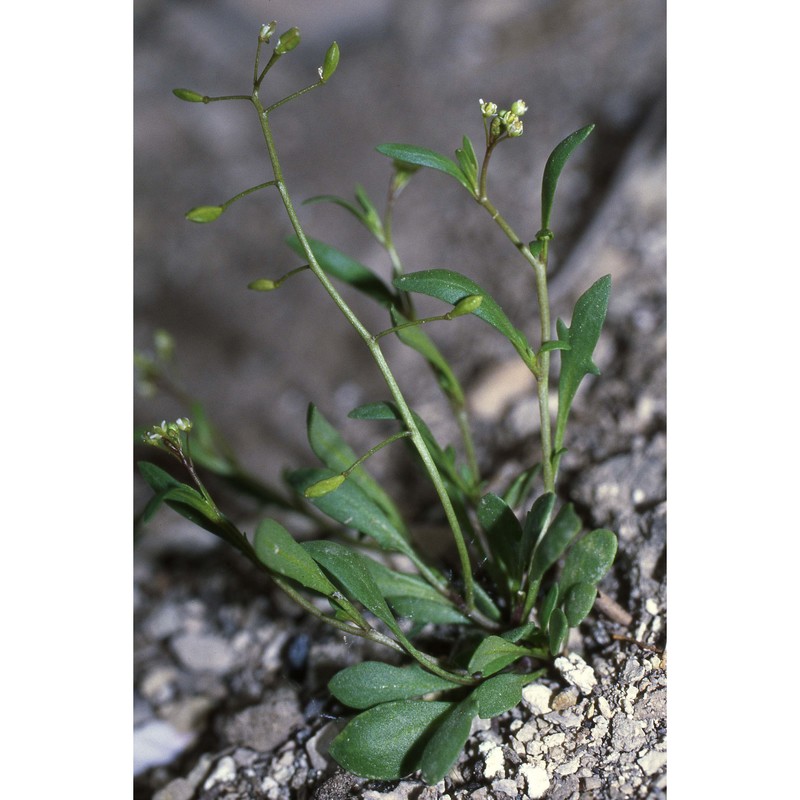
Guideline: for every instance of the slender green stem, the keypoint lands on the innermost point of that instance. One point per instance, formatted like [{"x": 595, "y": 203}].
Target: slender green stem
[
  {"x": 541, "y": 367},
  {"x": 247, "y": 192},
  {"x": 377, "y": 354},
  {"x": 226, "y": 97},
  {"x": 371, "y": 452},
  {"x": 294, "y": 95}
]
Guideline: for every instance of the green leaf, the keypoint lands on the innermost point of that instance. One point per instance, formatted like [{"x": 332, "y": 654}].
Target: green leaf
[
  {"x": 558, "y": 631},
  {"x": 579, "y": 602},
  {"x": 548, "y": 347},
  {"x": 587, "y": 322},
  {"x": 400, "y": 584},
  {"x": 589, "y": 559},
  {"x": 563, "y": 529},
  {"x": 348, "y": 568},
  {"x": 501, "y": 693},
  {"x": 350, "y": 506},
  {"x": 450, "y": 287},
  {"x": 422, "y": 157},
  {"x": 372, "y": 683},
  {"x": 493, "y": 654},
  {"x": 535, "y": 521},
  {"x": 424, "y": 611},
  {"x": 386, "y": 742},
  {"x": 346, "y": 269},
  {"x": 415, "y": 338},
  {"x": 334, "y": 453},
  {"x": 520, "y": 487},
  {"x": 548, "y": 604},
  {"x": 503, "y": 535},
  {"x": 447, "y": 742},
  {"x": 552, "y": 170},
  {"x": 384, "y": 410},
  {"x": 277, "y": 549},
  {"x": 468, "y": 162},
  {"x": 183, "y": 499}
]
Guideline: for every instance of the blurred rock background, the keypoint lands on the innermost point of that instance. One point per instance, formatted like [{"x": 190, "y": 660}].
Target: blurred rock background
[{"x": 410, "y": 71}]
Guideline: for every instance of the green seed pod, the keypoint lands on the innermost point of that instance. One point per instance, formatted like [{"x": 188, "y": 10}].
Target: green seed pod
[
  {"x": 204, "y": 213},
  {"x": 189, "y": 96},
  {"x": 325, "y": 486},
  {"x": 466, "y": 305},
  {"x": 331, "y": 62},
  {"x": 262, "y": 285},
  {"x": 287, "y": 41}
]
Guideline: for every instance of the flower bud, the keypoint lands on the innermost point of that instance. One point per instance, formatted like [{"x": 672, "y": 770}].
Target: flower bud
[
  {"x": 519, "y": 107},
  {"x": 287, "y": 41},
  {"x": 184, "y": 424},
  {"x": 189, "y": 96},
  {"x": 325, "y": 486},
  {"x": 488, "y": 109},
  {"x": 262, "y": 285},
  {"x": 496, "y": 128},
  {"x": 265, "y": 34},
  {"x": 204, "y": 213},
  {"x": 514, "y": 127},
  {"x": 331, "y": 62}
]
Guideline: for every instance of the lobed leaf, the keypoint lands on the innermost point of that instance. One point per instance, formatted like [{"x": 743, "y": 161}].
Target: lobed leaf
[
  {"x": 587, "y": 322},
  {"x": 386, "y": 741},
  {"x": 277, "y": 549},
  {"x": 450, "y": 287},
  {"x": 552, "y": 170},
  {"x": 346, "y": 269},
  {"x": 423, "y": 157},
  {"x": 371, "y": 683}
]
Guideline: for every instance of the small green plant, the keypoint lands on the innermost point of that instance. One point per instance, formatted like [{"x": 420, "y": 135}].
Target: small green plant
[{"x": 525, "y": 575}]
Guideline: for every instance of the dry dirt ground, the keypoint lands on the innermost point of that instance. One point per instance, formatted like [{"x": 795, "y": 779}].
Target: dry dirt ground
[{"x": 229, "y": 678}]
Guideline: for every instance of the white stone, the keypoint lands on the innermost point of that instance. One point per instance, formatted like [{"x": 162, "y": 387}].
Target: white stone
[
  {"x": 577, "y": 672},
  {"x": 495, "y": 765},
  {"x": 570, "y": 768},
  {"x": 651, "y": 606},
  {"x": 652, "y": 761},
  {"x": 537, "y": 780},
  {"x": 157, "y": 742},
  {"x": 604, "y": 707},
  {"x": 506, "y": 786},
  {"x": 537, "y": 696},
  {"x": 224, "y": 772},
  {"x": 526, "y": 732},
  {"x": 204, "y": 653}
]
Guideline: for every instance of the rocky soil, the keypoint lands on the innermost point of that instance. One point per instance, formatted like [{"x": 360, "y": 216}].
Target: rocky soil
[{"x": 229, "y": 692}]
